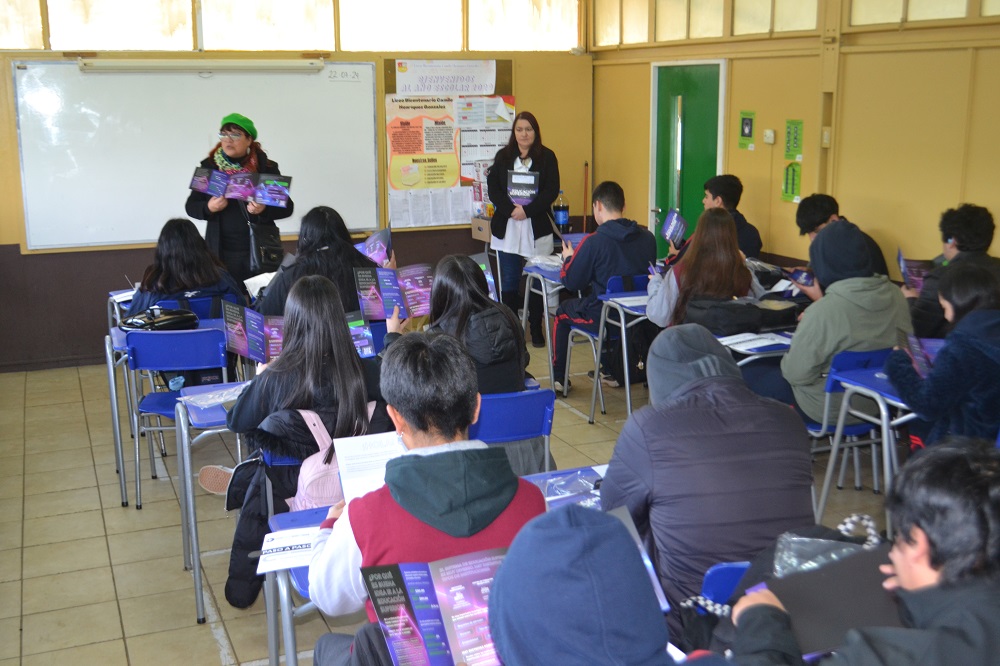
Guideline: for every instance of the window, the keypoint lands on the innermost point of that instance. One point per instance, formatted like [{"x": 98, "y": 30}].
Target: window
[
  {"x": 152, "y": 25},
  {"x": 635, "y": 21},
  {"x": 607, "y": 25},
  {"x": 795, "y": 15},
  {"x": 401, "y": 25},
  {"x": 706, "y": 18},
  {"x": 869, "y": 12},
  {"x": 522, "y": 25},
  {"x": 991, "y": 8},
  {"x": 924, "y": 10},
  {"x": 671, "y": 20},
  {"x": 21, "y": 25},
  {"x": 267, "y": 25},
  {"x": 751, "y": 16}
]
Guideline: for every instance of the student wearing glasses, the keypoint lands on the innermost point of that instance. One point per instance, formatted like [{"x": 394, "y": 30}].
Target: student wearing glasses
[{"x": 227, "y": 234}]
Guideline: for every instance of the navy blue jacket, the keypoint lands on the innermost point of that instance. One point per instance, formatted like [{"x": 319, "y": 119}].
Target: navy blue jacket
[
  {"x": 747, "y": 236},
  {"x": 961, "y": 395},
  {"x": 226, "y": 285},
  {"x": 925, "y": 310},
  {"x": 618, "y": 247}
]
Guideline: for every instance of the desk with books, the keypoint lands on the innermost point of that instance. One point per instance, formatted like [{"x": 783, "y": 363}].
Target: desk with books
[{"x": 629, "y": 304}]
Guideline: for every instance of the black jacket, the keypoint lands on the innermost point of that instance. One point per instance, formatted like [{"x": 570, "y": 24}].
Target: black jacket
[
  {"x": 227, "y": 233},
  {"x": 273, "y": 301},
  {"x": 226, "y": 285},
  {"x": 747, "y": 236},
  {"x": 540, "y": 209},
  {"x": 493, "y": 345},
  {"x": 957, "y": 624},
  {"x": 925, "y": 310},
  {"x": 714, "y": 473},
  {"x": 961, "y": 395}
]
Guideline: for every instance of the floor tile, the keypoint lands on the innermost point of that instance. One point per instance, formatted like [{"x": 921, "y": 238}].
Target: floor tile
[
  {"x": 70, "y": 627},
  {"x": 119, "y": 520},
  {"x": 197, "y": 645},
  {"x": 145, "y": 577},
  {"x": 571, "y": 459},
  {"x": 11, "y": 486},
  {"x": 249, "y": 635},
  {"x": 153, "y": 490},
  {"x": 10, "y": 638},
  {"x": 598, "y": 451},
  {"x": 11, "y": 509},
  {"x": 158, "y": 612},
  {"x": 76, "y": 588},
  {"x": 67, "y": 527},
  {"x": 10, "y": 565},
  {"x": 64, "y": 479},
  {"x": 66, "y": 501},
  {"x": 46, "y": 462},
  {"x": 55, "y": 558},
  {"x": 145, "y": 545},
  {"x": 13, "y": 447},
  {"x": 10, "y": 599},
  {"x": 11, "y": 534},
  {"x": 110, "y": 653}
]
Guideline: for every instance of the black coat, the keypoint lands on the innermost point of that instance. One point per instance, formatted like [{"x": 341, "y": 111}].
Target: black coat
[
  {"x": 925, "y": 310},
  {"x": 540, "y": 209},
  {"x": 227, "y": 233},
  {"x": 273, "y": 301},
  {"x": 499, "y": 353}
]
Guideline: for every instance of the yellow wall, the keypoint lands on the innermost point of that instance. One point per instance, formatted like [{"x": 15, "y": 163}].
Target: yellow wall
[{"x": 556, "y": 87}]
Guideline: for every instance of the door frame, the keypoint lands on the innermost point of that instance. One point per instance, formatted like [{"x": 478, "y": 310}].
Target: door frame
[{"x": 653, "y": 117}]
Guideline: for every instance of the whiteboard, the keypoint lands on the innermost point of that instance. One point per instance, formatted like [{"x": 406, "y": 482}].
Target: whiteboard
[{"x": 107, "y": 157}]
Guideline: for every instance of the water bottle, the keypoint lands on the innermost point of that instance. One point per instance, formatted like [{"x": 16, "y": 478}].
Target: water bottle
[{"x": 561, "y": 210}]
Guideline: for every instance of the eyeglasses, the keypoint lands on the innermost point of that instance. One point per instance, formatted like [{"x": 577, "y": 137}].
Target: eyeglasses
[{"x": 232, "y": 137}]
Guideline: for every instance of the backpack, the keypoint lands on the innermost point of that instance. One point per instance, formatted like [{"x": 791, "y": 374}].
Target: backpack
[
  {"x": 639, "y": 337},
  {"x": 319, "y": 483},
  {"x": 724, "y": 316}
]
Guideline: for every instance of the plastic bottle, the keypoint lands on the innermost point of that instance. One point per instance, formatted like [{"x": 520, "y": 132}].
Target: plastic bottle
[{"x": 561, "y": 210}]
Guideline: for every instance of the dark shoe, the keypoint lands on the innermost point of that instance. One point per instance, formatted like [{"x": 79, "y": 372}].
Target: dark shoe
[
  {"x": 537, "y": 337},
  {"x": 606, "y": 379}
]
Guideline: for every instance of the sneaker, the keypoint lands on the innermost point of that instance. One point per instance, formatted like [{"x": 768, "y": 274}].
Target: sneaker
[
  {"x": 606, "y": 379},
  {"x": 215, "y": 478},
  {"x": 559, "y": 386}
]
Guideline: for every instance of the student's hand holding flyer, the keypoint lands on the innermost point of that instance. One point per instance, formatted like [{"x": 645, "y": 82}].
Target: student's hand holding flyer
[
  {"x": 909, "y": 292},
  {"x": 518, "y": 213},
  {"x": 394, "y": 324},
  {"x": 567, "y": 250},
  {"x": 391, "y": 261},
  {"x": 336, "y": 510}
]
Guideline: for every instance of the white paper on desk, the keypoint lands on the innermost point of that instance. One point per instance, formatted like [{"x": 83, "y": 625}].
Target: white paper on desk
[
  {"x": 362, "y": 461},
  {"x": 546, "y": 261},
  {"x": 123, "y": 296},
  {"x": 287, "y": 549},
  {"x": 602, "y": 470},
  {"x": 676, "y": 653},
  {"x": 632, "y": 301},
  {"x": 257, "y": 282},
  {"x": 748, "y": 343}
]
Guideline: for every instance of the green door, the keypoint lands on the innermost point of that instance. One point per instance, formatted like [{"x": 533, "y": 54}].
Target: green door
[{"x": 687, "y": 140}]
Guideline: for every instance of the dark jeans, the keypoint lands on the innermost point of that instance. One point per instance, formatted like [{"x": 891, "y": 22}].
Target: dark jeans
[
  {"x": 764, "y": 378},
  {"x": 511, "y": 266}
]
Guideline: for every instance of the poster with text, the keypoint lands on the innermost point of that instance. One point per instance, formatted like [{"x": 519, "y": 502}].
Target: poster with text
[
  {"x": 747, "y": 130},
  {"x": 485, "y": 124},
  {"x": 446, "y": 77},
  {"x": 422, "y": 142},
  {"x": 793, "y": 140}
]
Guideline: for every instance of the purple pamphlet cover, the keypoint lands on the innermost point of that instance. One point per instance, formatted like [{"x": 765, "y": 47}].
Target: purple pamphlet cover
[
  {"x": 272, "y": 189},
  {"x": 522, "y": 186},
  {"x": 674, "y": 228}
]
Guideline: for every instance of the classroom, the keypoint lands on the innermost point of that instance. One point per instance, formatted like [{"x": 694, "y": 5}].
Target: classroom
[{"x": 893, "y": 99}]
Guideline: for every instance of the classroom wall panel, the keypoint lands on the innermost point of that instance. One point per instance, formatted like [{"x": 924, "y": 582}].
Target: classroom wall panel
[
  {"x": 982, "y": 167},
  {"x": 622, "y": 133},
  {"x": 777, "y": 90},
  {"x": 901, "y": 138}
]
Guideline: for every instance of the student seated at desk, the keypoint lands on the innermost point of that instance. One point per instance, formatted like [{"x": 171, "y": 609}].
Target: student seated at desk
[
  {"x": 182, "y": 268},
  {"x": 325, "y": 248},
  {"x": 859, "y": 311},
  {"x": 961, "y": 393},
  {"x": 618, "y": 247},
  {"x": 725, "y": 192},
  {"x": 572, "y": 589},
  {"x": 445, "y": 496},
  {"x": 318, "y": 370},
  {"x": 711, "y": 268},
  {"x": 945, "y": 571},
  {"x": 816, "y": 211},
  {"x": 966, "y": 236},
  {"x": 710, "y": 472}
]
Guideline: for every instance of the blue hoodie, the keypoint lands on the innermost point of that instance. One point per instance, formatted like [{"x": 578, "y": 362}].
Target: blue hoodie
[
  {"x": 961, "y": 394},
  {"x": 573, "y": 590}
]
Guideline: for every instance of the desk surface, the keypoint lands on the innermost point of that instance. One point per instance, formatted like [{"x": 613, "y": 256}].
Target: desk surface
[
  {"x": 872, "y": 379},
  {"x": 118, "y": 335},
  {"x": 546, "y": 273}
]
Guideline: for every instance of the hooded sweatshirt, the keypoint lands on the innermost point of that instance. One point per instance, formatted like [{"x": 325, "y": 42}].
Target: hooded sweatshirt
[
  {"x": 961, "y": 395},
  {"x": 710, "y": 472},
  {"x": 618, "y": 247},
  {"x": 438, "y": 502},
  {"x": 858, "y": 312},
  {"x": 573, "y": 590}
]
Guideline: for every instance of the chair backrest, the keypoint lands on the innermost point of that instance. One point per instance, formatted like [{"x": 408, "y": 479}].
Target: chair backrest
[
  {"x": 620, "y": 283},
  {"x": 169, "y": 351},
  {"x": 201, "y": 306},
  {"x": 854, "y": 360},
  {"x": 507, "y": 417},
  {"x": 721, "y": 580}
]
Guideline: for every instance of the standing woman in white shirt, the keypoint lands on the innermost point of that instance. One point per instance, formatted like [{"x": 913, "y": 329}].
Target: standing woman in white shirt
[{"x": 520, "y": 231}]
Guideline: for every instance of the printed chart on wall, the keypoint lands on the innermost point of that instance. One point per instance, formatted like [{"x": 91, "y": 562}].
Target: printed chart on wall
[
  {"x": 791, "y": 185},
  {"x": 746, "y": 130}
]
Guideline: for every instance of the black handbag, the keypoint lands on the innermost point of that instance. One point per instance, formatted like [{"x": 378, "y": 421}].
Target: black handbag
[
  {"x": 266, "y": 251},
  {"x": 160, "y": 319}
]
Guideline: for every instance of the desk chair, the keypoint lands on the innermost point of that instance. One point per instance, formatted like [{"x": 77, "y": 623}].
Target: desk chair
[
  {"x": 509, "y": 417},
  {"x": 166, "y": 351},
  {"x": 859, "y": 434},
  {"x": 721, "y": 580},
  {"x": 206, "y": 307}
]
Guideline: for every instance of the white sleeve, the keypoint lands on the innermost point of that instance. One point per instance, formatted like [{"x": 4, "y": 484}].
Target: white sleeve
[
  {"x": 663, "y": 292},
  {"x": 335, "y": 582}
]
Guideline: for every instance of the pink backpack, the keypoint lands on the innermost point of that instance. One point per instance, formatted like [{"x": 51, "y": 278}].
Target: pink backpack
[{"x": 319, "y": 483}]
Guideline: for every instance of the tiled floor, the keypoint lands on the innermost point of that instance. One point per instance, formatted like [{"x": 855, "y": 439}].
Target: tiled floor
[{"x": 84, "y": 580}]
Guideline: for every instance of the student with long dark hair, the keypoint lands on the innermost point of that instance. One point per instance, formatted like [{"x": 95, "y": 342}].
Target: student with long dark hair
[
  {"x": 183, "y": 267},
  {"x": 712, "y": 267},
  {"x": 318, "y": 365},
  {"x": 961, "y": 393},
  {"x": 325, "y": 248},
  {"x": 522, "y": 231}
]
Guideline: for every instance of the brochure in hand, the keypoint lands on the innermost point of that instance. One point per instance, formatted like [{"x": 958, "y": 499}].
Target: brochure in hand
[
  {"x": 674, "y": 228},
  {"x": 361, "y": 334},
  {"x": 913, "y": 270},
  {"x": 251, "y": 334},
  {"x": 484, "y": 263},
  {"x": 922, "y": 351},
  {"x": 381, "y": 289},
  {"x": 435, "y": 613},
  {"x": 377, "y": 247},
  {"x": 522, "y": 186},
  {"x": 270, "y": 189}
]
